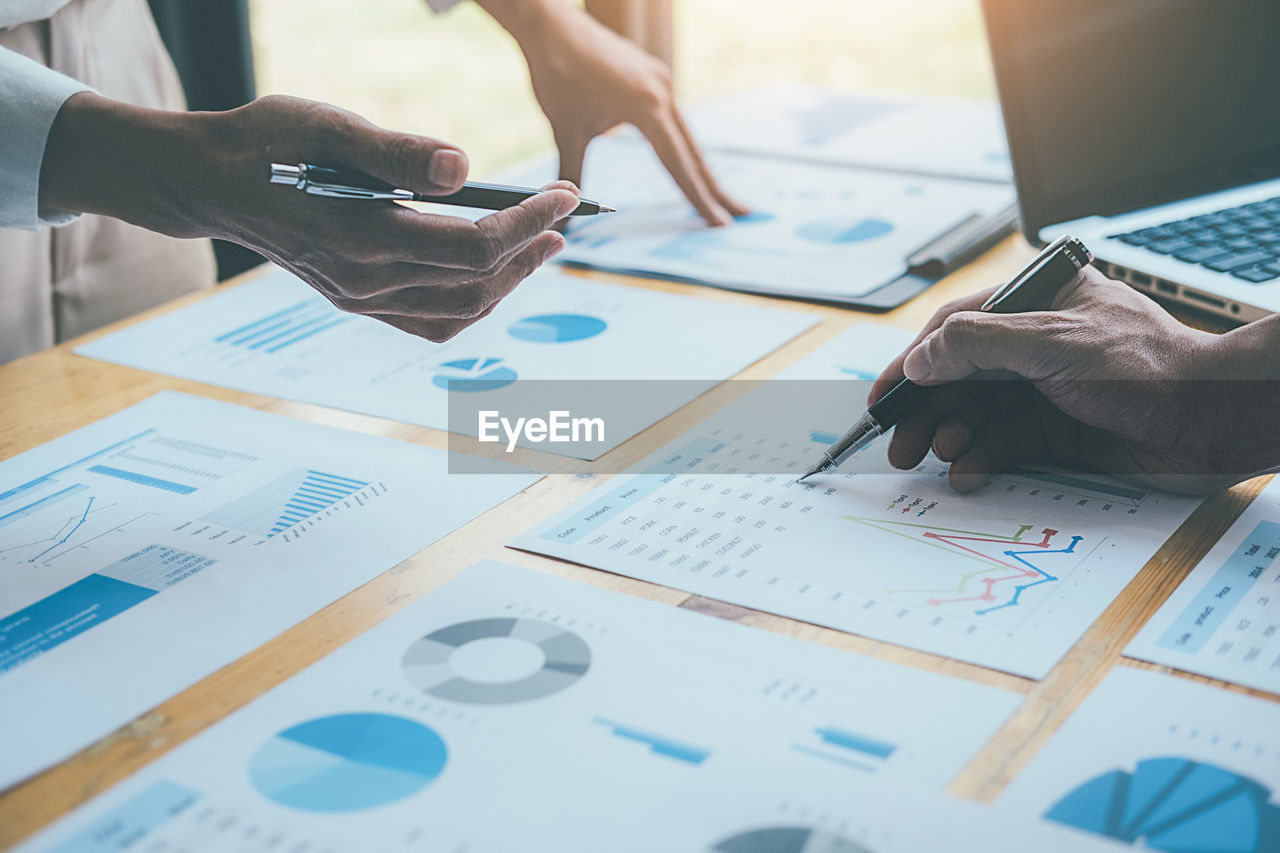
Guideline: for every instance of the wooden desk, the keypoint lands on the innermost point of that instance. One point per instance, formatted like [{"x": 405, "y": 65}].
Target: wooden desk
[{"x": 53, "y": 392}]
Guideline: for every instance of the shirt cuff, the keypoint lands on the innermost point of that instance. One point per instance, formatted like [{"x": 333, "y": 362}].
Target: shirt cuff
[
  {"x": 439, "y": 6},
  {"x": 31, "y": 97}
]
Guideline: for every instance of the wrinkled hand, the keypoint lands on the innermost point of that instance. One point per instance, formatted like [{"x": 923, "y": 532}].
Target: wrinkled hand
[
  {"x": 1108, "y": 382},
  {"x": 589, "y": 79},
  {"x": 205, "y": 174}
]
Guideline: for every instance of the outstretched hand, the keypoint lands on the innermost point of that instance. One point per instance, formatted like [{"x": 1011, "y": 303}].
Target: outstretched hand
[{"x": 205, "y": 175}]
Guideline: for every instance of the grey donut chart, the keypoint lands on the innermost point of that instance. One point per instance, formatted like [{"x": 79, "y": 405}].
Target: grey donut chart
[
  {"x": 426, "y": 664},
  {"x": 788, "y": 839}
]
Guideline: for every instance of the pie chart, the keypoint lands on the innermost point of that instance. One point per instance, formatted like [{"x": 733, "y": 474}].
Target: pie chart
[
  {"x": 496, "y": 661},
  {"x": 473, "y": 374},
  {"x": 347, "y": 762},
  {"x": 557, "y": 328},
  {"x": 1175, "y": 804},
  {"x": 788, "y": 839},
  {"x": 844, "y": 232}
]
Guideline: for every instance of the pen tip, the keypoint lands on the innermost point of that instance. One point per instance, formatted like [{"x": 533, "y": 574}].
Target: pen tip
[{"x": 604, "y": 209}]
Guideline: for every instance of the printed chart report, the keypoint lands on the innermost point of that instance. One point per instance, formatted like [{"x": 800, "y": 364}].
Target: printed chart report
[
  {"x": 278, "y": 337},
  {"x": 145, "y": 551},
  {"x": 1158, "y": 762},
  {"x": 892, "y": 134},
  {"x": 814, "y": 231},
  {"x": 1223, "y": 620},
  {"x": 567, "y": 711},
  {"x": 1008, "y": 577}
]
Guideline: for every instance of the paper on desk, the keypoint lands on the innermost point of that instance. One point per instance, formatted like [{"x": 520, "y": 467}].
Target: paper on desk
[
  {"x": 145, "y": 551},
  {"x": 815, "y": 232},
  {"x": 947, "y": 137},
  {"x": 511, "y": 710},
  {"x": 1162, "y": 763},
  {"x": 1223, "y": 620},
  {"x": 276, "y": 336},
  {"x": 1008, "y": 577}
]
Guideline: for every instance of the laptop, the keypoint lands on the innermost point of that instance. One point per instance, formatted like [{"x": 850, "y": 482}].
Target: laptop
[{"x": 1150, "y": 129}]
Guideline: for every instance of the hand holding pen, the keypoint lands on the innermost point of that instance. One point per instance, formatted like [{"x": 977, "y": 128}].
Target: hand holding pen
[
  {"x": 427, "y": 274},
  {"x": 1101, "y": 379}
]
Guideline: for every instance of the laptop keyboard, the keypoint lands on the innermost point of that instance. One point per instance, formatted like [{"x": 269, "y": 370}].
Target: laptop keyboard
[{"x": 1243, "y": 241}]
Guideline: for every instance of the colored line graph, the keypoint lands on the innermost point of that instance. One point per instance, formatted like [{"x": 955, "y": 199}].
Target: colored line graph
[
  {"x": 88, "y": 506},
  {"x": 1006, "y": 572}
]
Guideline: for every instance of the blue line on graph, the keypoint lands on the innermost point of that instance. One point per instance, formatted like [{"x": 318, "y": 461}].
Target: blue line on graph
[
  {"x": 267, "y": 319},
  {"x": 315, "y": 331},
  {"x": 821, "y": 437},
  {"x": 837, "y": 759},
  {"x": 1047, "y": 578},
  {"x": 856, "y": 742},
  {"x": 30, "y": 484},
  {"x": 657, "y": 744},
  {"x": 142, "y": 479},
  {"x": 64, "y": 539}
]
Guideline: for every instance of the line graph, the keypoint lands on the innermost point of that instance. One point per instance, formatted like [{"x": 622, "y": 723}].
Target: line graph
[{"x": 1005, "y": 573}]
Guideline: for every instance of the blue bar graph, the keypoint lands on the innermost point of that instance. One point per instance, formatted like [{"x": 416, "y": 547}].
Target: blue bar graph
[
  {"x": 848, "y": 749},
  {"x": 1080, "y": 483},
  {"x": 142, "y": 479},
  {"x": 856, "y": 742},
  {"x": 657, "y": 744},
  {"x": 820, "y": 437},
  {"x": 44, "y": 478},
  {"x": 244, "y": 333},
  {"x": 284, "y": 328},
  {"x": 286, "y": 502}
]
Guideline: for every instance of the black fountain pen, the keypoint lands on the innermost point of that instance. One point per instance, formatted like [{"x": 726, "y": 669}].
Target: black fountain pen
[
  {"x": 344, "y": 183},
  {"x": 1033, "y": 289}
]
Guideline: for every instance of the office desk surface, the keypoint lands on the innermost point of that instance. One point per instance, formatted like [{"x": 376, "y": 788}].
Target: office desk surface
[{"x": 53, "y": 392}]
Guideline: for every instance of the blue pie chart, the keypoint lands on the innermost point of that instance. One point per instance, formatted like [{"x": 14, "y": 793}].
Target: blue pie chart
[
  {"x": 1176, "y": 805},
  {"x": 557, "y": 328},
  {"x": 473, "y": 374},
  {"x": 347, "y": 762},
  {"x": 844, "y": 232}
]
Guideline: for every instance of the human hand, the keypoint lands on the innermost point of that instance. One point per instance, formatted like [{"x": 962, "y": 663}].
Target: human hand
[
  {"x": 1108, "y": 381},
  {"x": 588, "y": 79},
  {"x": 205, "y": 175}
]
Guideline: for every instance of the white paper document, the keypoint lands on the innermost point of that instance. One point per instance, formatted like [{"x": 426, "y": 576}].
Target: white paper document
[
  {"x": 948, "y": 137},
  {"x": 1008, "y": 577},
  {"x": 511, "y": 710},
  {"x": 143, "y": 552},
  {"x": 814, "y": 231},
  {"x": 1158, "y": 762},
  {"x": 276, "y": 336},
  {"x": 1223, "y": 620}
]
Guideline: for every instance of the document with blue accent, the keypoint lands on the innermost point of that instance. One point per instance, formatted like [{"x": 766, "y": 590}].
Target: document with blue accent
[
  {"x": 1223, "y": 620},
  {"x": 145, "y": 551}
]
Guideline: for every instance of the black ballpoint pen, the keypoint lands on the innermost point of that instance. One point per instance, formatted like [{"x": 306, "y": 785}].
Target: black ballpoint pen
[
  {"x": 1032, "y": 289},
  {"x": 345, "y": 183}
]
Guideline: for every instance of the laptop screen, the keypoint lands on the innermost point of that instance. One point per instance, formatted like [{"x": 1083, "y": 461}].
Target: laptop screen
[{"x": 1117, "y": 105}]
